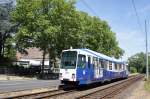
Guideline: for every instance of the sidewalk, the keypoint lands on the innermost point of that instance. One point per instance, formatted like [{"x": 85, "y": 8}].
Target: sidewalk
[{"x": 8, "y": 77}]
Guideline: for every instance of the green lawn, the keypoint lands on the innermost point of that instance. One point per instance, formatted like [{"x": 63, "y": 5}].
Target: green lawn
[{"x": 147, "y": 85}]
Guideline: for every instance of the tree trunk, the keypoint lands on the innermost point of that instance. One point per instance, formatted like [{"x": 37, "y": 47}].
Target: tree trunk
[
  {"x": 43, "y": 60},
  {"x": 3, "y": 48},
  {"x": 1, "y": 44},
  {"x": 49, "y": 61}
]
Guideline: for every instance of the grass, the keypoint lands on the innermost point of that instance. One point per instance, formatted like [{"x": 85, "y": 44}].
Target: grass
[
  {"x": 134, "y": 73},
  {"x": 147, "y": 85}
]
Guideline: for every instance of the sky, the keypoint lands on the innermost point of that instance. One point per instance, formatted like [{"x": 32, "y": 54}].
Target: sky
[{"x": 122, "y": 19}]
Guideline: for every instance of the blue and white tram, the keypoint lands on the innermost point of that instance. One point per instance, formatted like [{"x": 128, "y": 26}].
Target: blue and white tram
[{"x": 84, "y": 66}]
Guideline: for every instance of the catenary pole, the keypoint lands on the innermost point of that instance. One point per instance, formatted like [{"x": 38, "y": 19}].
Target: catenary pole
[{"x": 147, "y": 69}]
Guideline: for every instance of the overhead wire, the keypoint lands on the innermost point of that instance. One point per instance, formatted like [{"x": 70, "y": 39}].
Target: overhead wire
[
  {"x": 146, "y": 45},
  {"x": 138, "y": 18},
  {"x": 90, "y": 8}
]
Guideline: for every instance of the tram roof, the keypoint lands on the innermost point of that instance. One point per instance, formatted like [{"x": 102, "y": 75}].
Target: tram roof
[{"x": 100, "y": 55}]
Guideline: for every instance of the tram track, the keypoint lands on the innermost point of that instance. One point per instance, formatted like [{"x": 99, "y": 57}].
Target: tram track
[
  {"x": 29, "y": 95},
  {"x": 41, "y": 95},
  {"x": 110, "y": 91}
]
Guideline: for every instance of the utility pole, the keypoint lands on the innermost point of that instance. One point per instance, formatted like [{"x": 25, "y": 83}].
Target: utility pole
[{"x": 147, "y": 69}]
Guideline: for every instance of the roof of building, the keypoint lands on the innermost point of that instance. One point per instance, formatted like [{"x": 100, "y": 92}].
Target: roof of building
[{"x": 32, "y": 53}]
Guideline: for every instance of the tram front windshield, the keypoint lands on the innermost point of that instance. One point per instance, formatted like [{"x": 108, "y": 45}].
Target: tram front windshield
[{"x": 68, "y": 60}]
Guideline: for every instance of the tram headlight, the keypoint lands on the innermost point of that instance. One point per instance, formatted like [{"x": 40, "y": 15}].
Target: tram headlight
[{"x": 73, "y": 76}]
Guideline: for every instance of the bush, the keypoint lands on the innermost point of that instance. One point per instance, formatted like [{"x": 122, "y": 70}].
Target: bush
[
  {"x": 5, "y": 62},
  {"x": 147, "y": 85},
  {"x": 133, "y": 70}
]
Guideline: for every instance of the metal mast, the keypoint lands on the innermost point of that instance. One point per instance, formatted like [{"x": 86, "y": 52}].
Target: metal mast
[{"x": 147, "y": 69}]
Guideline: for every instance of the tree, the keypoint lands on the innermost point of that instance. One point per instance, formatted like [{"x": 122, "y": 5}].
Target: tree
[
  {"x": 137, "y": 62},
  {"x": 98, "y": 36},
  {"x": 54, "y": 25},
  {"x": 6, "y": 30},
  {"x": 46, "y": 24}
]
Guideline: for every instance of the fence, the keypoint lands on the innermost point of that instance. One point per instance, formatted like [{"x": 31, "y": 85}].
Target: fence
[
  {"x": 56, "y": 70},
  {"x": 30, "y": 72}
]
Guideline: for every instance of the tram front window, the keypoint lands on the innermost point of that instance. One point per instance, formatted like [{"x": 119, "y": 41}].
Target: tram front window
[{"x": 68, "y": 60}]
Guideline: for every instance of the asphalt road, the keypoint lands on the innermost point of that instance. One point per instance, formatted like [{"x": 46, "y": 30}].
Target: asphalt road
[{"x": 17, "y": 85}]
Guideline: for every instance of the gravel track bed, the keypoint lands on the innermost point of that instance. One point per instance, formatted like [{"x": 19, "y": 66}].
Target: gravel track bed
[{"x": 111, "y": 90}]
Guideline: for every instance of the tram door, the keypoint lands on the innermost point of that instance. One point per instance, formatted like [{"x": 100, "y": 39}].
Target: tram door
[
  {"x": 96, "y": 67},
  {"x": 89, "y": 66}
]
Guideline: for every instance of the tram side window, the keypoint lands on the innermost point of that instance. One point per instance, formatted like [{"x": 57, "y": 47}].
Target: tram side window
[
  {"x": 120, "y": 67},
  {"x": 115, "y": 66},
  {"x": 101, "y": 64},
  {"x": 97, "y": 63},
  {"x": 81, "y": 61},
  {"x": 110, "y": 65},
  {"x": 105, "y": 64},
  {"x": 94, "y": 62},
  {"x": 123, "y": 67},
  {"x": 89, "y": 61}
]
